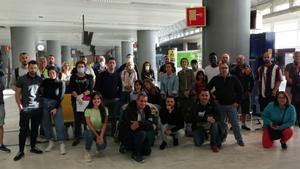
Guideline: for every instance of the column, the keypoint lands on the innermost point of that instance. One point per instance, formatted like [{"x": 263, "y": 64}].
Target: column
[
  {"x": 118, "y": 55},
  {"x": 185, "y": 46},
  {"x": 54, "y": 48},
  {"x": 66, "y": 54},
  {"x": 126, "y": 48},
  {"x": 146, "y": 49},
  {"x": 22, "y": 40},
  {"x": 228, "y": 28}
]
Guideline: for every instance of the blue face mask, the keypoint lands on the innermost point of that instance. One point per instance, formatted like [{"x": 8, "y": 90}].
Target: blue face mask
[{"x": 81, "y": 70}]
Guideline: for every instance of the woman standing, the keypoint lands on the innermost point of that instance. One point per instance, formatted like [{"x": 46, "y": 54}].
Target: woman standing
[
  {"x": 138, "y": 88},
  {"x": 96, "y": 117},
  {"x": 81, "y": 85},
  {"x": 65, "y": 75},
  {"x": 147, "y": 72},
  {"x": 128, "y": 77},
  {"x": 279, "y": 117},
  {"x": 52, "y": 90}
]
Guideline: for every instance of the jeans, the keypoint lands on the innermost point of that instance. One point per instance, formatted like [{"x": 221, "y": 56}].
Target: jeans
[
  {"x": 140, "y": 142},
  {"x": 231, "y": 112},
  {"x": 48, "y": 105},
  {"x": 178, "y": 134},
  {"x": 89, "y": 137},
  {"x": 27, "y": 116},
  {"x": 125, "y": 97},
  {"x": 215, "y": 137}
]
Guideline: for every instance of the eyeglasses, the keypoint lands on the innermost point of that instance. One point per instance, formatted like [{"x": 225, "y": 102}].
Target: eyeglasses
[{"x": 223, "y": 67}]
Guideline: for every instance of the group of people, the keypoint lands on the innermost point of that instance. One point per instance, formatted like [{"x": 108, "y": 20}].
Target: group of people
[{"x": 194, "y": 102}]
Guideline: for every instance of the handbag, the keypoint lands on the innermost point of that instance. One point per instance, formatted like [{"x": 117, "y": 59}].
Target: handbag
[{"x": 276, "y": 134}]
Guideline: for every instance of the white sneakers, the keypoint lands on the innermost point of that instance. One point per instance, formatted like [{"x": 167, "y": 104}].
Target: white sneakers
[
  {"x": 51, "y": 145},
  {"x": 62, "y": 149},
  {"x": 87, "y": 157}
]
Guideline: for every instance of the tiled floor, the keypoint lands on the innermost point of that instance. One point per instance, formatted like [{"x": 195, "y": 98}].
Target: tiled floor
[{"x": 185, "y": 156}]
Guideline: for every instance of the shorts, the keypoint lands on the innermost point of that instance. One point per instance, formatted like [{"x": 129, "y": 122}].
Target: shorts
[{"x": 2, "y": 114}]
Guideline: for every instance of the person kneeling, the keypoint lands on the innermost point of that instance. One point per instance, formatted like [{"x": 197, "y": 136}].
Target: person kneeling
[
  {"x": 206, "y": 119},
  {"x": 96, "y": 116},
  {"x": 135, "y": 123},
  {"x": 172, "y": 123},
  {"x": 279, "y": 117}
]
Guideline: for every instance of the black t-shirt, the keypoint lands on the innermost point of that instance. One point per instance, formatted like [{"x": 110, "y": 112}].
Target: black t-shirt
[{"x": 81, "y": 84}]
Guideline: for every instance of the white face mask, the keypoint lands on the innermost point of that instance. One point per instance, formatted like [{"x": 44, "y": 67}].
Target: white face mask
[{"x": 147, "y": 68}]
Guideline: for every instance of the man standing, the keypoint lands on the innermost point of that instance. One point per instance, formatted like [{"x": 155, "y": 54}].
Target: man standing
[
  {"x": 212, "y": 70},
  {"x": 244, "y": 73},
  {"x": 2, "y": 113},
  {"x": 195, "y": 67},
  {"x": 186, "y": 82},
  {"x": 51, "y": 62},
  {"x": 28, "y": 102},
  {"x": 22, "y": 70},
  {"x": 269, "y": 79},
  {"x": 43, "y": 72},
  {"x": 109, "y": 84},
  {"x": 291, "y": 71},
  {"x": 228, "y": 95}
]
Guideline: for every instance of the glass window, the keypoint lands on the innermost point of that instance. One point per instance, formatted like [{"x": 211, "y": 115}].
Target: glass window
[
  {"x": 281, "y": 7},
  {"x": 285, "y": 39},
  {"x": 296, "y": 3},
  {"x": 265, "y": 11},
  {"x": 285, "y": 26},
  {"x": 267, "y": 27}
]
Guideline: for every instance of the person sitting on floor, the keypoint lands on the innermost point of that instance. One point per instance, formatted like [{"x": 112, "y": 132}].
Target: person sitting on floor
[
  {"x": 135, "y": 122},
  {"x": 206, "y": 117},
  {"x": 279, "y": 117},
  {"x": 96, "y": 117},
  {"x": 172, "y": 123}
]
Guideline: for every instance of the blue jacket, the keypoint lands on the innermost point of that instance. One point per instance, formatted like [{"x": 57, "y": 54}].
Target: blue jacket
[
  {"x": 169, "y": 85},
  {"x": 273, "y": 113}
]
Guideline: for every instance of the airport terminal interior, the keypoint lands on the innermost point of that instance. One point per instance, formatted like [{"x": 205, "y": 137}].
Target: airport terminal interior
[{"x": 153, "y": 31}]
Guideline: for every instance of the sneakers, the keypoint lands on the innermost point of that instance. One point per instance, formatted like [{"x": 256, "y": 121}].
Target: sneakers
[
  {"x": 36, "y": 150},
  {"x": 245, "y": 127},
  {"x": 175, "y": 141},
  {"x": 76, "y": 142},
  {"x": 283, "y": 146},
  {"x": 50, "y": 146},
  {"x": 87, "y": 157},
  {"x": 241, "y": 143},
  {"x": 62, "y": 149},
  {"x": 163, "y": 145},
  {"x": 138, "y": 158},
  {"x": 4, "y": 148},
  {"x": 19, "y": 156},
  {"x": 215, "y": 148}
]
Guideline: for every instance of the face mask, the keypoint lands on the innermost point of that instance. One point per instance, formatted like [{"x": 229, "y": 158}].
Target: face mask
[
  {"x": 81, "y": 70},
  {"x": 147, "y": 68}
]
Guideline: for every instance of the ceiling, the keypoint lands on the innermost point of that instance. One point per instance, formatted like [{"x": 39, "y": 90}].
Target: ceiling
[{"x": 112, "y": 21}]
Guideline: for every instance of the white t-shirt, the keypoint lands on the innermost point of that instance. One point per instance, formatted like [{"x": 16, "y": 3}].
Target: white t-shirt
[{"x": 211, "y": 72}]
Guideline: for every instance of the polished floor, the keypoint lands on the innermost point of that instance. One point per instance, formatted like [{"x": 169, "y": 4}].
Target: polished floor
[{"x": 185, "y": 156}]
